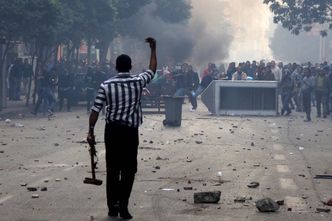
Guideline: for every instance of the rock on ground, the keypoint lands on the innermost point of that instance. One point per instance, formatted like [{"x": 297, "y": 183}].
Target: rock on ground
[
  {"x": 207, "y": 197},
  {"x": 267, "y": 205}
]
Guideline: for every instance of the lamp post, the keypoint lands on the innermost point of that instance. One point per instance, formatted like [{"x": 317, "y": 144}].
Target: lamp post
[{"x": 322, "y": 48}]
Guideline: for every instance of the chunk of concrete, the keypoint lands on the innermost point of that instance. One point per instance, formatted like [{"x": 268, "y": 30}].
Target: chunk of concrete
[
  {"x": 32, "y": 189},
  {"x": 267, "y": 205},
  {"x": 329, "y": 203},
  {"x": 35, "y": 196},
  {"x": 253, "y": 185},
  {"x": 323, "y": 210},
  {"x": 207, "y": 197}
]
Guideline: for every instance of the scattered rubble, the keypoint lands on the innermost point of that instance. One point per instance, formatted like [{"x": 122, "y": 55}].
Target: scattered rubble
[
  {"x": 32, "y": 189},
  {"x": 220, "y": 174},
  {"x": 240, "y": 199},
  {"x": 329, "y": 203},
  {"x": 168, "y": 189},
  {"x": 17, "y": 125},
  {"x": 149, "y": 148},
  {"x": 159, "y": 158},
  {"x": 207, "y": 197},
  {"x": 323, "y": 210},
  {"x": 44, "y": 188},
  {"x": 35, "y": 196},
  {"x": 41, "y": 127},
  {"x": 280, "y": 202},
  {"x": 253, "y": 185},
  {"x": 267, "y": 205},
  {"x": 188, "y": 188}
]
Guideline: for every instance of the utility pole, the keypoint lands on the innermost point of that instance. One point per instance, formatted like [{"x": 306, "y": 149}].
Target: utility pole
[{"x": 322, "y": 48}]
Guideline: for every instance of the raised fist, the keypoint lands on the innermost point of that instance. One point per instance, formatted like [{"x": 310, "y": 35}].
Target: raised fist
[{"x": 152, "y": 42}]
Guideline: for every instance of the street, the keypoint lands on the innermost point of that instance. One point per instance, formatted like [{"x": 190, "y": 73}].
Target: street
[{"x": 206, "y": 153}]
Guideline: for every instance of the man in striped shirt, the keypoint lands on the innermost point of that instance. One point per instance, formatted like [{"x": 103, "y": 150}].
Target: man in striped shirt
[{"x": 122, "y": 95}]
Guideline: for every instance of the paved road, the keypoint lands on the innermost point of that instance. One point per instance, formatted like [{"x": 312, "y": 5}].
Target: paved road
[{"x": 49, "y": 153}]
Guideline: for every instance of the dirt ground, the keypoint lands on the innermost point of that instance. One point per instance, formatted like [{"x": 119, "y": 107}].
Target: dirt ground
[{"x": 283, "y": 154}]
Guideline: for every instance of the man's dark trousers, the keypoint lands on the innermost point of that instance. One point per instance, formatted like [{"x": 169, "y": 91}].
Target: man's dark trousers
[
  {"x": 121, "y": 162},
  {"x": 65, "y": 94},
  {"x": 321, "y": 99},
  {"x": 307, "y": 104}
]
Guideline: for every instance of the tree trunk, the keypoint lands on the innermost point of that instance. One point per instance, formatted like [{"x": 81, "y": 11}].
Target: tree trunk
[
  {"x": 89, "y": 44},
  {"x": 30, "y": 80},
  {"x": 2, "y": 79},
  {"x": 56, "y": 55},
  {"x": 77, "y": 53},
  {"x": 37, "y": 71},
  {"x": 104, "y": 46},
  {"x": 4, "y": 48}
]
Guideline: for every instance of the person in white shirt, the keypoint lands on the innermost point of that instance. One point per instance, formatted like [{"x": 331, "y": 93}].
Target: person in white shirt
[
  {"x": 276, "y": 71},
  {"x": 239, "y": 74}
]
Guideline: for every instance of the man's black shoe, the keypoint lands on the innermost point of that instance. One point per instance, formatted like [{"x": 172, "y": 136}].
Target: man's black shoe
[
  {"x": 124, "y": 214},
  {"x": 113, "y": 213},
  {"x": 113, "y": 210}
]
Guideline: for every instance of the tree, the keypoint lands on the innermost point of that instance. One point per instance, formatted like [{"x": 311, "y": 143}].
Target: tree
[
  {"x": 300, "y": 15},
  {"x": 33, "y": 22},
  {"x": 11, "y": 15}
]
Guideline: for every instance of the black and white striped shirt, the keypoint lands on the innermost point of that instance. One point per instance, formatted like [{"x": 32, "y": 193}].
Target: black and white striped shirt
[{"x": 122, "y": 95}]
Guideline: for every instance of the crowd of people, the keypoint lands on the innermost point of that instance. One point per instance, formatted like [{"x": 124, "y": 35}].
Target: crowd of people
[
  {"x": 19, "y": 76},
  {"x": 301, "y": 86},
  {"x": 56, "y": 84}
]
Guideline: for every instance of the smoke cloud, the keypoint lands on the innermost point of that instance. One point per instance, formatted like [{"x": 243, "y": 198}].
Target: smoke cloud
[
  {"x": 252, "y": 26},
  {"x": 219, "y": 31},
  {"x": 195, "y": 41}
]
